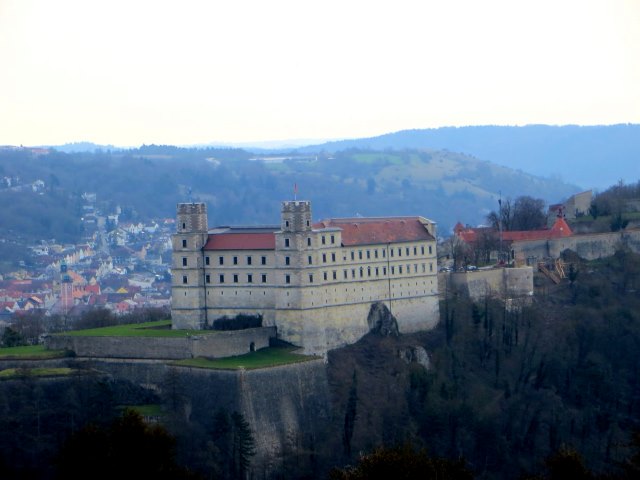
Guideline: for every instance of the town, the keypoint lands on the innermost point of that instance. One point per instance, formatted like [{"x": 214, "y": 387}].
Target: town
[{"x": 119, "y": 266}]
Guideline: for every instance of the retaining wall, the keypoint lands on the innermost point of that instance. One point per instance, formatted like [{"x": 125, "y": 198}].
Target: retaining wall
[{"x": 211, "y": 345}]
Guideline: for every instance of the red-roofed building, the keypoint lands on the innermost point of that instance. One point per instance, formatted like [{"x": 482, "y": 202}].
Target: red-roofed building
[
  {"x": 315, "y": 281},
  {"x": 471, "y": 236}
]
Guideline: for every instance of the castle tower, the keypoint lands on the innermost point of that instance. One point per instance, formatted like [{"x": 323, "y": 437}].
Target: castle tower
[
  {"x": 66, "y": 289},
  {"x": 294, "y": 242},
  {"x": 188, "y": 303}
]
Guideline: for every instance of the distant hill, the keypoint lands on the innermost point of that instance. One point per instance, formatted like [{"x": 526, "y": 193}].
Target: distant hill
[
  {"x": 591, "y": 156},
  {"x": 244, "y": 188}
]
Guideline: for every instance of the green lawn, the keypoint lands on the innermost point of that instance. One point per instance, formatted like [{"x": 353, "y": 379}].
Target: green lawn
[
  {"x": 148, "y": 329},
  {"x": 38, "y": 352},
  {"x": 267, "y": 357},
  {"x": 35, "y": 372}
]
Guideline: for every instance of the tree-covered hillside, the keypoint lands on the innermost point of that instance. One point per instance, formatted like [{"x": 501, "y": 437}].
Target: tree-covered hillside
[
  {"x": 589, "y": 156},
  {"x": 148, "y": 182}
]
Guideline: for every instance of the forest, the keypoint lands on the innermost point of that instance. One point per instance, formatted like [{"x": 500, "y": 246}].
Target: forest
[
  {"x": 240, "y": 188},
  {"x": 520, "y": 389}
]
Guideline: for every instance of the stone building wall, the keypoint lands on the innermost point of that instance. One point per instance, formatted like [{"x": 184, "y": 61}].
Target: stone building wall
[{"x": 211, "y": 345}]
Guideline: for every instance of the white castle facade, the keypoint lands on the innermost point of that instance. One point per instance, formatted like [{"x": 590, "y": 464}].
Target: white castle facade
[{"x": 316, "y": 282}]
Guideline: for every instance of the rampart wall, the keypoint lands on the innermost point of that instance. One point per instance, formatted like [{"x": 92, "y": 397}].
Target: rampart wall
[
  {"x": 504, "y": 282},
  {"x": 588, "y": 246},
  {"x": 210, "y": 345},
  {"x": 282, "y": 404}
]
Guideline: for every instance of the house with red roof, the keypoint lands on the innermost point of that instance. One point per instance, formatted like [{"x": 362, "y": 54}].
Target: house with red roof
[
  {"x": 315, "y": 281},
  {"x": 513, "y": 241}
]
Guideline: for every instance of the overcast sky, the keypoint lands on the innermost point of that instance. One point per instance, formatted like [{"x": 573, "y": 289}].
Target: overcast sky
[{"x": 128, "y": 72}]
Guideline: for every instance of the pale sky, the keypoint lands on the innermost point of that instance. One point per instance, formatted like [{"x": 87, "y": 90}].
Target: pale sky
[{"x": 128, "y": 72}]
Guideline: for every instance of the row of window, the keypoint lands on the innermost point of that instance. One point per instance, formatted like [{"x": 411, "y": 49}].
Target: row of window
[{"x": 355, "y": 273}]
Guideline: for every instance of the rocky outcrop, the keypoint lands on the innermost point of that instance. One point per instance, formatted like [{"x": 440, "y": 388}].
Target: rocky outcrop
[{"x": 381, "y": 321}]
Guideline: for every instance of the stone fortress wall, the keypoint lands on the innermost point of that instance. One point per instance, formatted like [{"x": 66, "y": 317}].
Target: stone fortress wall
[
  {"x": 501, "y": 282},
  {"x": 588, "y": 246},
  {"x": 211, "y": 345}
]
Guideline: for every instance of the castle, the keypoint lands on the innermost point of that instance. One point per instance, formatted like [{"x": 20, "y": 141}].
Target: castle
[{"x": 315, "y": 282}]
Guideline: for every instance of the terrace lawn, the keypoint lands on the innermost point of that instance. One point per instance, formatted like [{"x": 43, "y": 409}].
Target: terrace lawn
[
  {"x": 160, "y": 328},
  {"x": 266, "y": 357},
  {"x": 35, "y": 372},
  {"x": 30, "y": 352}
]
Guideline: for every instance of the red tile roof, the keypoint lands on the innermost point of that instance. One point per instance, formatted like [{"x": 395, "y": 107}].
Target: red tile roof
[
  {"x": 368, "y": 231},
  {"x": 241, "y": 241},
  {"x": 559, "y": 229}
]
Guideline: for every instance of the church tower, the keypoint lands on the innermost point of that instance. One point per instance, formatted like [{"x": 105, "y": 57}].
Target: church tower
[{"x": 188, "y": 302}]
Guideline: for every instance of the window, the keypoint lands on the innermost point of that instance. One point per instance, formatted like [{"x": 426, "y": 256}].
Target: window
[
  {"x": 407, "y": 251},
  {"x": 333, "y": 257},
  {"x": 431, "y": 267},
  {"x": 311, "y": 278},
  {"x": 333, "y": 239},
  {"x": 308, "y": 241},
  {"x": 206, "y": 261},
  {"x": 286, "y": 243},
  {"x": 360, "y": 254},
  {"x": 393, "y": 270},
  {"x": 207, "y": 278},
  {"x": 324, "y": 258},
  {"x": 353, "y": 255},
  {"x": 287, "y": 279},
  {"x": 310, "y": 260},
  {"x": 264, "y": 278},
  {"x": 377, "y": 271},
  {"x": 220, "y": 260},
  {"x": 324, "y": 241},
  {"x": 415, "y": 250},
  {"x": 307, "y": 223},
  {"x": 384, "y": 270},
  {"x": 400, "y": 269},
  {"x": 399, "y": 252},
  {"x": 335, "y": 275},
  {"x": 184, "y": 279},
  {"x": 287, "y": 260},
  {"x": 221, "y": 278},
  {"x": 263, "y": 260},
  {"x": 235, "y": 260},
  {"x": 249, "y": 278},
  {"x": 184, "y": 226},
  {"x": 375, "y": 253},
  {"x": 368, "y": 271},
  {"x": 368, "y": 254},
  {"x": 392, "y": 252},
  {"x": 353, "y": 273},
  {"x": 324, "y": 275},
  {"x": 184, "y": 261},
  {"x": 361, "y": 272},
  {"x": 248, "y": 260},
  {"x": 344, "y": 273},
  {"x": 286, "y": 223},
  {"x": 184, "y": 243},
  {"x": 384, "y": 254},
  {"x": 235, "y": 278},
  {"x": 429, "y": 249},
  {"x": 423, "y": 268},
  {"x": 422, "y": 249}
]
